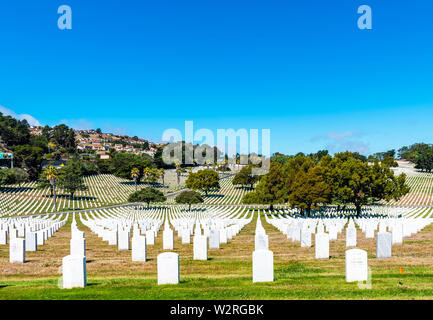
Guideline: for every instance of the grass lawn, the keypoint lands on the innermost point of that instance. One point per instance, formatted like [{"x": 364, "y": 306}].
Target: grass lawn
[{"x": 226, "y": 275}]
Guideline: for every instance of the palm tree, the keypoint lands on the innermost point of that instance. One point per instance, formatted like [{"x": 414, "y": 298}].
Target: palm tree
[
  {"x": 135, "y": 174},
  {"x": 178, "y": 172},
  {"x": 208, "y": 162},
  {"x": 146, "y": 173},
  {"x": 161, "y": 173},
  {"x": 51, "y": 173}
]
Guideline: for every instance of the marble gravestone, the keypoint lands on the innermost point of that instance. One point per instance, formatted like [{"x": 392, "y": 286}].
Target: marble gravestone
[
  {"x": 168, "y": 268},
  {"x": 123, "y": 241},
  {"x": 40, "y": 237},
  {"x": 333, "y": 233},
  {"x": 138, "y": 248},
  {"x": 296, "y": 233},
  {"x": 397, "y": 234},
  {"x": 356, "y": 265},
  {"x": 78, "y": 245},
  {"x": 263, "y": 266},
  {"x": 223, "y": 236},
  {"x": 168, "y": 239},
  {"x": 322, "y": 246},
  {"x": 74, "y": 272},
  {"x": 200, "y": 247},
  {"x": 150, "y": 237},
  {"x": 384, "y": 245},
  {"x": 3, "y": 237},
  {"x": 261, "y": 242},
  {"x": 214, "y": 239},
  {"x": 112, "y": 238},
  {"x": 17, "y": 250},
  {"x": 31, "y": 241},
  {"x": 350, "y": 237},
  {"x": 369, "y": 232},
  {"x": 186, "y": 237},
  {"x": 305, "y": 237}
]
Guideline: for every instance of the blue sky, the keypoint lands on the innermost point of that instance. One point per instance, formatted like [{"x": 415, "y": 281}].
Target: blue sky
[{"x": 300, "y": 68}]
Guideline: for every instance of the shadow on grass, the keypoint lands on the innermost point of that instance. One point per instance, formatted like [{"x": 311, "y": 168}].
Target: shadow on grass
[{"x": 16, "y": 189}]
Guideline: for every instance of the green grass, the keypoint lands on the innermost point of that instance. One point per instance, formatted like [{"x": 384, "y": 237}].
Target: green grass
[{"x": 296, "y": 281}]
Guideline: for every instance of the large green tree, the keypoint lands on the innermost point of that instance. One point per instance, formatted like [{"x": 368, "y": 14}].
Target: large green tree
[
  {"x": 203, "y": 180},
  {"x": 309, "y": 189},
  {"x": 272, "y": 188},
  {"x": 71, "y": 177},
  {"x": 189, "y": 197},
  {"x": 147, "y": 195},
  {"x": 245, "y": 177},
  {"x": 359, "y": 183}
]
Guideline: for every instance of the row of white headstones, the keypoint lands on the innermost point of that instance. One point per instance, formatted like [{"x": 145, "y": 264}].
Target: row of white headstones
[
  {"x": 216, "y": 231},
  {"x": 301, "y": 230},
  {"x": 26, "y": 234}
]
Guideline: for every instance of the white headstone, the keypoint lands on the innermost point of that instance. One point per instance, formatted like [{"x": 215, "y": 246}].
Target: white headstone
[
  {"x": 350, "y": 237},
  {"x": 384, "y": 245},
  {"x": 17, "y": 250},
  {"x": 112, "y": 238},
  {"x": 356, "y": 265},
  {"x": 263, "y": 266},
  {"x": 40, "y": 238},
  {"x": 186, "y": 237},
  {"x": 305, "y": 238},
  {"x": 200, "y": 247},
  {"x": 322, "y": 246},
  {"x": 214, "y": 239},
  {"x": 138, "y": 248},
  {"x": 223, "y": 235},
  {"x": 261, "y": 242},
  {"x": 74, "y": 272},
  {"x": 3, "y": 237},
  {"x": 31, "y": 241},
  {"x": 168, "y": 268},
  {"x": 78, "y": 247},
  {"x": 397, "y": 234},
  {"x": 150, "y": 237},
  {"x": 333, "y": 232},
  {"x": 123, "y": 241},
  {"x": 168, "y": 239}
]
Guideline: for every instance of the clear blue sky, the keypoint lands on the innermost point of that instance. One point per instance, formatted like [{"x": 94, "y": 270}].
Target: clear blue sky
[{"x": 300, "y": 68}]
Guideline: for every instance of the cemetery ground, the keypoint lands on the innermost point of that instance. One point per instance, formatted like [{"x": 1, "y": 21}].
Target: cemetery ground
[{"x": 227, "y": 274}]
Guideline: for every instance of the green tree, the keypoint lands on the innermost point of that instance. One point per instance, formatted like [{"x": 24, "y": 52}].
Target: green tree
[
  {"x": 356, "y": 182},
  {"x": 245, "y": 177},
  {"x": 204, "y": 180},
  {"x": 147, "y": 195},
  {"x": 272, "y": 188},
  {"x": 309, "y": 189},
  {"x": 135, "y": 174},
  {"x": 153, "y": 176},
  {"x": 29, "y": 158},
  {"x": 189, "y": 197},
  {"x": 19, "y": 176},
  {"x": 71, "y": 176},
  {"x": 51, "y": 174},
  {"x": 161, "y": 173},
  {"x": 64, "y": 138},
  {"x": 424, "y": 160}
]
